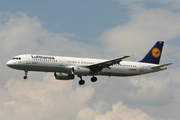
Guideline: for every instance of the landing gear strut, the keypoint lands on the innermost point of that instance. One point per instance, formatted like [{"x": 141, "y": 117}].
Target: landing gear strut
[
  {"x": 25, "y": 77},
  {"x": 81, "y": 82}
]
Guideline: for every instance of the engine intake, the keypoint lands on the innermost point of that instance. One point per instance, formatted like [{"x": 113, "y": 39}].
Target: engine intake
[{"x": 63, "y": 76}]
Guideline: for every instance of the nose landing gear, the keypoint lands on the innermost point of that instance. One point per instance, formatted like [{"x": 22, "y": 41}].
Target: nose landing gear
[{"x": 25, "y": 77}]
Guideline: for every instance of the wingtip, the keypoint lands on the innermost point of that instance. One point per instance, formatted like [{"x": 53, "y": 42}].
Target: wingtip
[{"x": 127, "y": 56}]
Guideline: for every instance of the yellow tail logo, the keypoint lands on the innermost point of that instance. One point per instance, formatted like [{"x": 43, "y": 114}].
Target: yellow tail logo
[{"x": 156, "y": 52}]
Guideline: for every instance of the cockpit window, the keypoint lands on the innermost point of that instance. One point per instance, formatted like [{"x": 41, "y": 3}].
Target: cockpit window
[{"x": 16, "y": 58}]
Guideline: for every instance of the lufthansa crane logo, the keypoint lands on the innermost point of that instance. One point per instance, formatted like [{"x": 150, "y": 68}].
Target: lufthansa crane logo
[{"x": 156, "y": 52}]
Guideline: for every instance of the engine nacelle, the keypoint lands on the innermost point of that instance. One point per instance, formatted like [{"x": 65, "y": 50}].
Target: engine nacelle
[
  {"x": 80, "y": 71},
  {"x": 63, "y": 76}
]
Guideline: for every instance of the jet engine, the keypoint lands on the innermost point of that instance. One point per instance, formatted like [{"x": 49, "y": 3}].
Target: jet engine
[
  {"x": 63, "y": 76},
  {"x": 80, "y": 71}
]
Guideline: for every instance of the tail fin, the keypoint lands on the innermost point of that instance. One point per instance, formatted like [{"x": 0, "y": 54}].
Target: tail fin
[{"x": 154, "y": 55}]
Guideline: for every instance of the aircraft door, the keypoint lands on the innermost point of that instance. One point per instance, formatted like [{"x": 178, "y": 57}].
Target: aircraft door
[
  {"x": 28, "y": 59},
  {"x": 60, "y": 62},
  {"x": 141, "y": 68}
]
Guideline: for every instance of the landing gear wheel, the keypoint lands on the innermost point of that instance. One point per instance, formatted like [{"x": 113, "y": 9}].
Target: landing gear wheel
[
  {"x": 93, "y": 79},
  {"x": 25, "y": 77},
  {"x": 81, "y": 82}
]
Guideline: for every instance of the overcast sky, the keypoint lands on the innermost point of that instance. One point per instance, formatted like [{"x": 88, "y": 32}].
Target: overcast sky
[{"x": 97, "y": 29}]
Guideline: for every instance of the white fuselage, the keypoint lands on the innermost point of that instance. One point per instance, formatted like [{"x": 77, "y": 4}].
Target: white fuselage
[{"x": 61, "y": 64}]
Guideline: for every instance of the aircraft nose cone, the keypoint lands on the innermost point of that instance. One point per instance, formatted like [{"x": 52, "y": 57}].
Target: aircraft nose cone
[{"x": 9, "y": 63}]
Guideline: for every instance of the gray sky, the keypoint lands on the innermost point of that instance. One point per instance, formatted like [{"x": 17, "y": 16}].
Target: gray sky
[{"x": 97, "y": 29}]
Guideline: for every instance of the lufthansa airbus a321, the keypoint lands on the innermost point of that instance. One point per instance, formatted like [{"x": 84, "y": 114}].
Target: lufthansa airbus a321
[{"x": 66, "y": 68}]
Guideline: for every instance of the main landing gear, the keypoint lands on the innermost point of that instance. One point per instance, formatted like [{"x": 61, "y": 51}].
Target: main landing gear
[
  {"x": 25, "y": 77},
  {"x": 93, "y": 79},
  {"x": 82, "y": 82}
]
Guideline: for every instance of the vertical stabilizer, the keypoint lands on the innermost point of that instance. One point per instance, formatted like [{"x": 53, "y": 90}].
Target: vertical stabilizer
[{"x": 154, "y": 55}]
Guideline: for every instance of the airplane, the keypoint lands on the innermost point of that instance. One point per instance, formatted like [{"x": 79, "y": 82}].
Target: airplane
[{"x": 66, "y": 68}]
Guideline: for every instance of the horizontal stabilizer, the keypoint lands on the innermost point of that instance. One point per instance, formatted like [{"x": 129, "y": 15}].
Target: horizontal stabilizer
[{"x": 159, "y": 66}]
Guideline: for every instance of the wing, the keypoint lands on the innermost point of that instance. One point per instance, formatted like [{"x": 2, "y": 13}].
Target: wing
[
  {"x": 160, "y": 66},
  {"x": 99, "y": 66}
]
